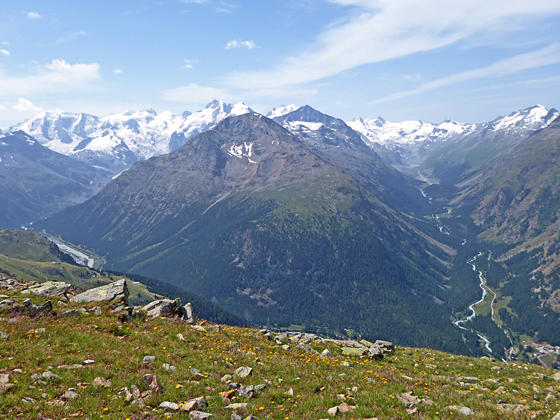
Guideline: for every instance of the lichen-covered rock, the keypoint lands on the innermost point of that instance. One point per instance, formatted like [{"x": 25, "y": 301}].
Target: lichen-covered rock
[
  {"x": 48, "y": 288},
  {"x": 116, "y": 291},
  {"x": 168, "y": 308}
]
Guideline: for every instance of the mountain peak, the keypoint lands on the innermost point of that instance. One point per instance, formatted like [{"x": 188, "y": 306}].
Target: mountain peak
[{"x": 282, "y": 110}]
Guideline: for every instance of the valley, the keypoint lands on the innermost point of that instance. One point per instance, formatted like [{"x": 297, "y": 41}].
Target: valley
[{"x": 235, "y": 203}]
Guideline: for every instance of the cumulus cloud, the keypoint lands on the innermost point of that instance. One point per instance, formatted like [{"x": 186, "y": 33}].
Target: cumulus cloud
[
  {"x": 118, "y": 71},
  {"x": 380, "y": 30},
  {"x": 24, "y": 105},
  {"x": 4, "y": 52},
  {"x": 53, "y": 77},
  {"x": 34, "y": 15},
  {"x": 238, "y": 44}
]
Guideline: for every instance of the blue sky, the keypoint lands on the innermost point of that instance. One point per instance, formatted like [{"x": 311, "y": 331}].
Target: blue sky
[{"x": 401, "y": 59}]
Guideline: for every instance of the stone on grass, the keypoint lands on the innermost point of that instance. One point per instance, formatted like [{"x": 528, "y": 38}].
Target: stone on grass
[
  {"x": 149, "y": 359},
  {"x": 243, "y": 371},
  {"x": 46, "y": 376},
  {"x": 195, "y": 404},
  {"x": 151, "y": 381},
  {"x": 48, "y": 288},
  {"x": 69, "y": 394},
  {"x": 167, "y": 308},
  {"x": 167, "y": 405},
  {"x": 99, "y": 381},
  {"x": 466, "y": 411},
  {"x": 169, "y": 368},
  {"x": 117, "y": 291},
  {"x": 199, "y": 415}
]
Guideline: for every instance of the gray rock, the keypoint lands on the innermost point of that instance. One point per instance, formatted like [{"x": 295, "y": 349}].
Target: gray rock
[
  {"x": 169, "y": 406},
  {"x": 466, "y": 411},
  {"x": 116, "y": 291},
  {"x": 199, "y": 415},
  {"x": 99, "y": 381},
  {"x": 243, "y": 372},
  {"x": 195, "y": 404},
  {"x": 556, "y": 416},
  {"x": 168, "y": 367},
  {"x": 89, "y": 362},
  {"x": 46, "y": 376},
  {"x": 354, "y": 351},
  {"x": 70, "y": 394},
  {"x": 71, "y": 312},
  {"x": 48, "y": 288},
  {"x": 149, "y": 359},
  {"x": 151, "y": 381},
  {"x": 31, "y": 310},
  {"x": 167, "y": 308}
]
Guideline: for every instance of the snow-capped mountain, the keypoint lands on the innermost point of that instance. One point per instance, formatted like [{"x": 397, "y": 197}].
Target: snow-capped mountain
[
  {"x": 525, "y": 120},
  {"x": 281, "y": 110},
  {"x": 384, "y": 132},
  {"x": 407, "y": 142},
  {"x": 205, "y": 119},
  {"x": 389, "y": 134},
  {"x": 117, "y": 141}
]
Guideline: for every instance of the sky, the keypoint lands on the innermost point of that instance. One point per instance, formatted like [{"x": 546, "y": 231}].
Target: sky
[{"x": 400, "y": 59}]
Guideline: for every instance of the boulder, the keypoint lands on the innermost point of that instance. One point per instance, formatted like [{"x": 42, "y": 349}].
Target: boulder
[
  {"x": 243, "y": 372},
  {"x": 116, "y": 291},
  {"x": 465, "y": 411},
  {"x": 32, "y": 310},
  {"x": 152, "y": 383},
  {"x": 168, "y": 308},
  {"x": 199, "y": 415},
  {"x": 354, "y": 351},
  {"x": 48, "y": 288}
]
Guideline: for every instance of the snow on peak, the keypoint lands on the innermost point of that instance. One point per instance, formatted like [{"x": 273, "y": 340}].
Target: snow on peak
[
  {"x": 528, "y": 119},
  {"x": 381, "y": 131},
  {"x": 282, "y": 110},
  {"x": 242, "y": 150}
]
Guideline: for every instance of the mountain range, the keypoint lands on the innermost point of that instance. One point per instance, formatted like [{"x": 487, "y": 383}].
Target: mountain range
[
  {"x": 117, "y": 141},
  {"x": 303, "y": 218}
]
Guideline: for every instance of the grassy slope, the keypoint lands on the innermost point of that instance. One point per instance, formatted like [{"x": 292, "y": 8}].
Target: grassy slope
[{"x": 118, "y": 351}]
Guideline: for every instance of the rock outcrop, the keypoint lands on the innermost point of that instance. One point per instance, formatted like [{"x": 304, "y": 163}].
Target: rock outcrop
[
  {"x": 116, "y": 292},
  {"x": 48, "y": 288},
  {"x": 169, "y": 309}
]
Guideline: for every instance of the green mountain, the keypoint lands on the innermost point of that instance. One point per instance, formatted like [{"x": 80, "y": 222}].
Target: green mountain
[
  {"x": 28, "y": 256},
  {"x": 507, "y": 210},
  {"x": 36, "y": 182},
  {"x": 260, "y": 222}
]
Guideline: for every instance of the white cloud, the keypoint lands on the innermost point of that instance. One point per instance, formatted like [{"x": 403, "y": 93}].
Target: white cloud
[
  {"x": 238, "y": 44},
  {"x": 189, "y": 64},
  {"x": 4, "y": 52},
  {"x": 34, "y": 15},
  {"x": 56, "y": 76},
  {"x": 118, "y": 71},
  {"x": 71, "y": 36},
  {"x": 195, "y": 95},
  {"x": 2, "y": 107},
  {"x": 24, "y": 105},
  {"x": 381, "y": 30},
  {"x": 534, "y": 59}
]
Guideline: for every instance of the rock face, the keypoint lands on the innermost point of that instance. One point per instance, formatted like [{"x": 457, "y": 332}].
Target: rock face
[
  {"x": 49, "y": 288},
  {"x": 169, "y": 309},
  {"x": 116, "y": 291}
]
